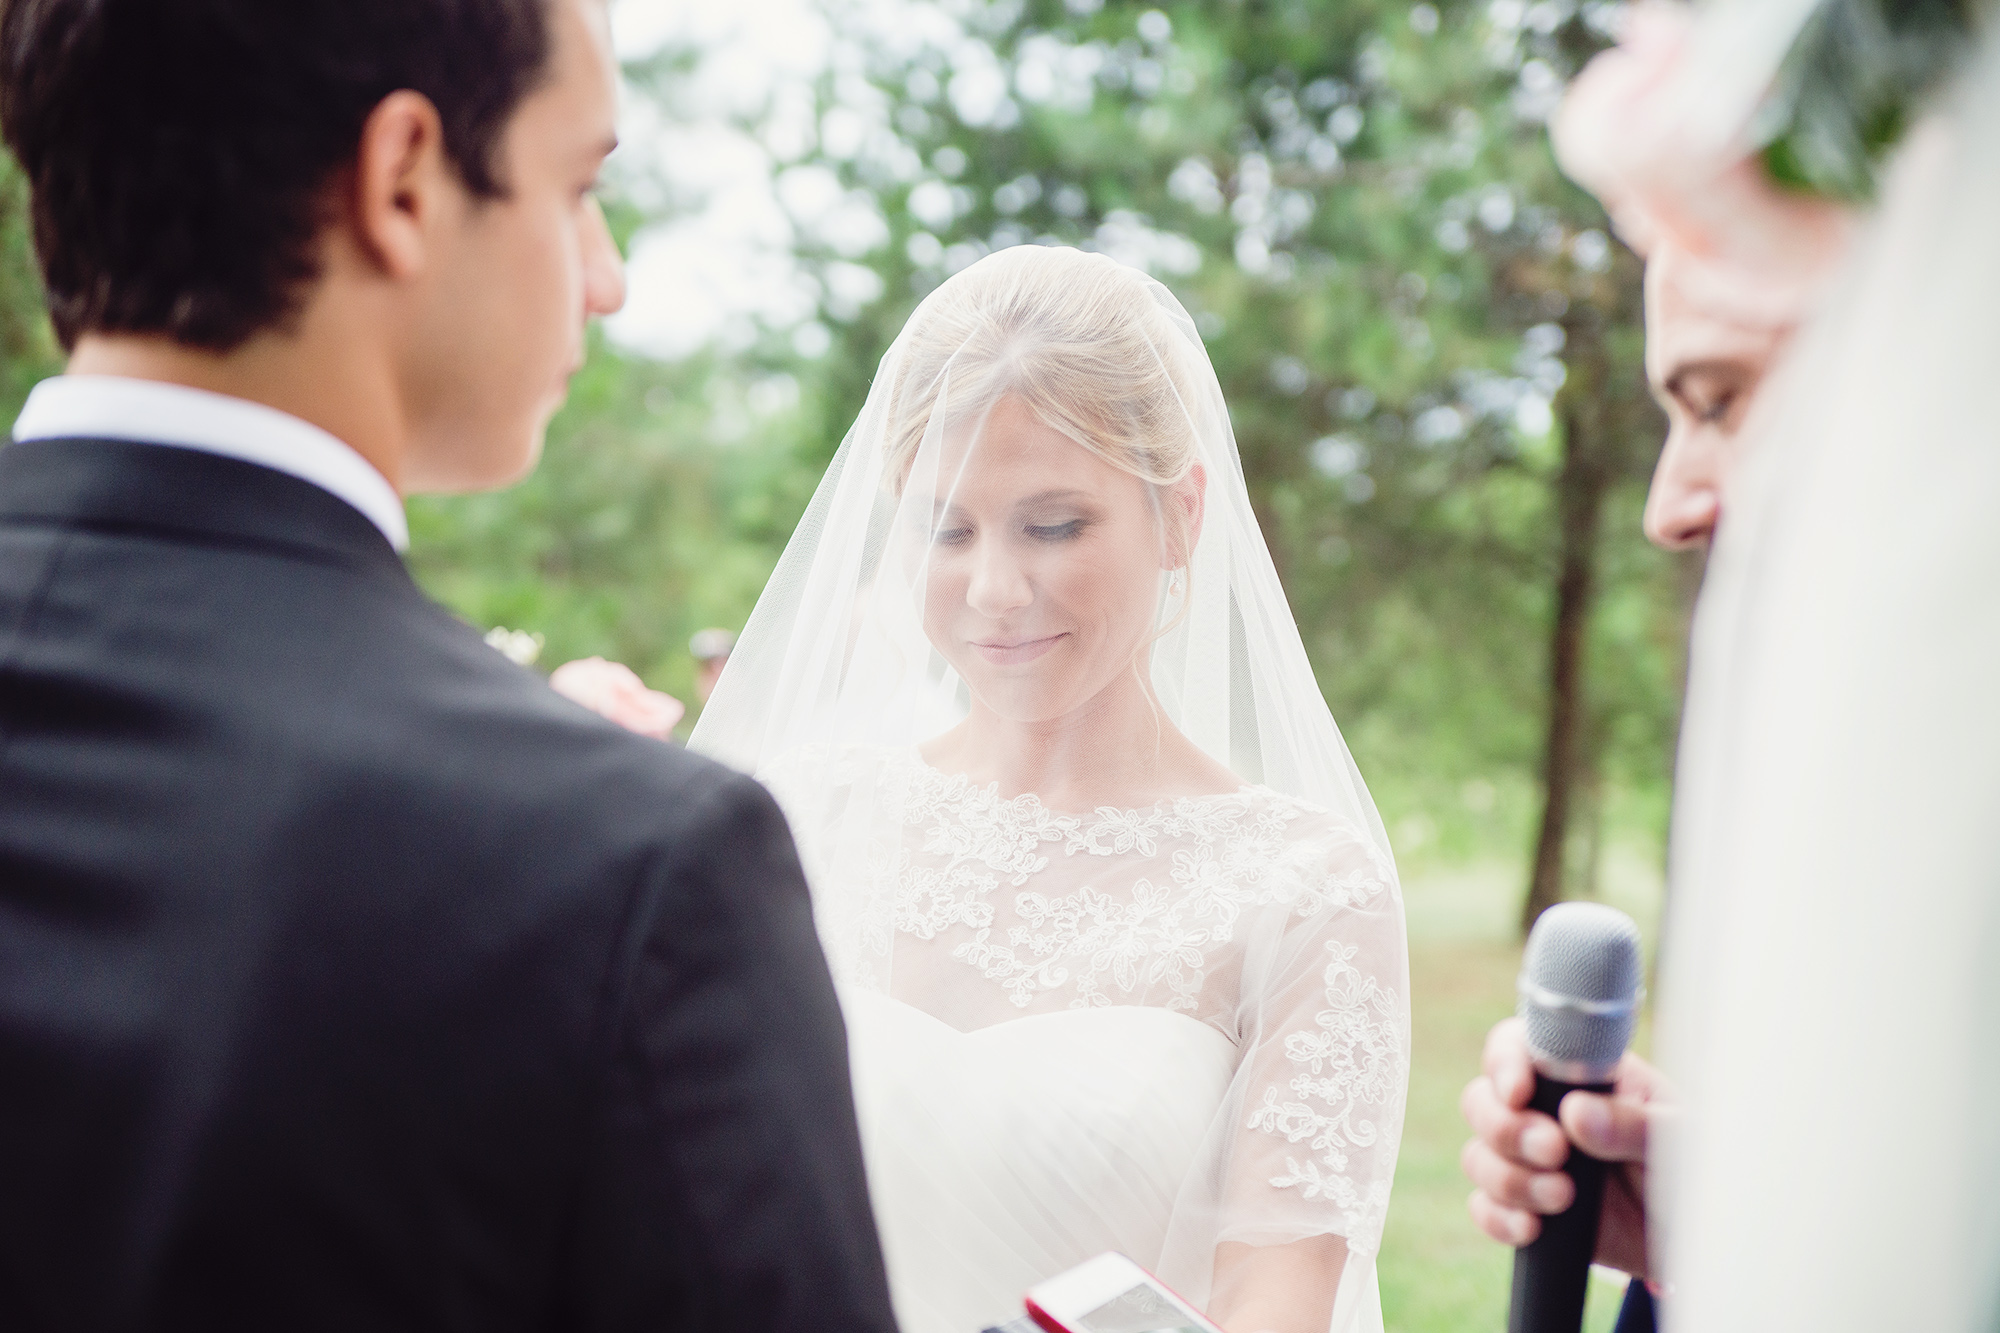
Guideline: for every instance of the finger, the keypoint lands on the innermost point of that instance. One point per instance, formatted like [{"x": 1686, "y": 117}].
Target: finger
[
  {"x": 1612, "y": 1129},
  {"x": 1507, "y": 1063},
  {"x": 624, "y": 679},
  {"x": 1526, "y": 1137},
  {"x": 663, "y": 714},
  {"x": 1509, "y": 1226},
  {"x": 1512, "y": 1185},
  {"x": 1637, "y": 1080}
]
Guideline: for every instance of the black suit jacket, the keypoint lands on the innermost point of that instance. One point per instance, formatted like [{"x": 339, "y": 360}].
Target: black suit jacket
[{"x": 351, "y": 979}]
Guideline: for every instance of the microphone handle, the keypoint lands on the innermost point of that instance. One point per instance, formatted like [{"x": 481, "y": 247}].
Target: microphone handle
[{"x": 1552, "y": 1273}]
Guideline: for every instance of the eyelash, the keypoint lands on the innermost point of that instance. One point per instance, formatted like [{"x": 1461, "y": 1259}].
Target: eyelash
[
  {"x": 1060, "y": 532},
  {"x": 1716, "y": 410}
]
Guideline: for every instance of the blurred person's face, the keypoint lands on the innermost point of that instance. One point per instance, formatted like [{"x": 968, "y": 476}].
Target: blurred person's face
[
  {"x": 1706, "y": 372},
  {"x": 1044, "y": 570},
  {"x": 502, "y": 329},
  {"x": 709, "y": 671}
]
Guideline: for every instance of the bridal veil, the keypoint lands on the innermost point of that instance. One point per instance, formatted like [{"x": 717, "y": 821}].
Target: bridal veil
[{"x": 1248, "y": 937}]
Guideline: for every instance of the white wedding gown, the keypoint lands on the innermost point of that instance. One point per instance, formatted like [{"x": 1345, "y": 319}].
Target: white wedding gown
[
  {"x": 999, "y": 1157},
  {"x": 1158, "y": 1030},
  {"x": 1143, "y": 1031}
]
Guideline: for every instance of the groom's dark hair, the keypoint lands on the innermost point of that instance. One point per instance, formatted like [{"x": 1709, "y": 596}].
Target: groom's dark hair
[{"x": 180, "y": 151}]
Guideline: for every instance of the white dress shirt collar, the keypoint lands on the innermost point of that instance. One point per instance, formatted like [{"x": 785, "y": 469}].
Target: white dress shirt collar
[{"x": 111, "y": 407}]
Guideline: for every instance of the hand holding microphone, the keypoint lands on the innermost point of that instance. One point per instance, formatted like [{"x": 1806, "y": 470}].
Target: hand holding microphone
[
  {"x": 1579, "y": 994},
  {"x": 1516, "y": 1160}
]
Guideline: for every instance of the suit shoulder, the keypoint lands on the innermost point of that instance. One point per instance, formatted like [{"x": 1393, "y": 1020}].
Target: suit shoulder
[{"x": 461, "y": 718}]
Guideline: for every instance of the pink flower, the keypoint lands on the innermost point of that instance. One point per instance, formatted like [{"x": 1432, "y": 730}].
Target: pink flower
[
  {"x": 617, "y": 692},
  {"x": 1633, "y": 132}
]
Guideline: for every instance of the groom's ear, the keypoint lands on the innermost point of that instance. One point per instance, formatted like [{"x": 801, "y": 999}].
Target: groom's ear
[{"x": 403, "y": 191}]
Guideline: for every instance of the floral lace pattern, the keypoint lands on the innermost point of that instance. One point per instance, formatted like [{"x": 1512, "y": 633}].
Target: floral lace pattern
[
  {"x": 1353, "y": 1060},
  {"x": 1163, "y": 906}
]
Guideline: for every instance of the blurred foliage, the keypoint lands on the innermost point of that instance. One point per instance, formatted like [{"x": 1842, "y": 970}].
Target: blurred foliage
[
  {"x": 28, "y": 348},
  {"x": 637, "y": 530}
]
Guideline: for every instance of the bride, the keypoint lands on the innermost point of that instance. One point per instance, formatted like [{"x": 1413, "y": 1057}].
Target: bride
[{"x": 1118, "y": 933}]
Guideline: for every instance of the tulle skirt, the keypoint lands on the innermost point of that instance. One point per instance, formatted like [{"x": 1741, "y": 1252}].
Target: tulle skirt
[{"x": 1001, "y": 1157}]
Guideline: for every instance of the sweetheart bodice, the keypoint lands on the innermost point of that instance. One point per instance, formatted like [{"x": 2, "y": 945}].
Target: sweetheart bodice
[{"x": 1003, "y": 1156}]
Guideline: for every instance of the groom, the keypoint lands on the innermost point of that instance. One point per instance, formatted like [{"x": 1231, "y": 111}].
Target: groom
[{"x": 349, "y": 978}]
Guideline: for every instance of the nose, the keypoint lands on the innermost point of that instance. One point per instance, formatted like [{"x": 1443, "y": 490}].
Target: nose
[
  {"x": 1685, "y": 501},
  {"x": 603, "y": 266},
  {"x": 998, "y": 584}
]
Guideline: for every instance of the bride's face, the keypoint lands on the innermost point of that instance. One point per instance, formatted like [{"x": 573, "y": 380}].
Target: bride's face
[{"x": 1044, "y": 568}]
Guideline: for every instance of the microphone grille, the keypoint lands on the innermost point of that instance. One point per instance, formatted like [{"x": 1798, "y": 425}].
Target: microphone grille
[{"x": 1580, "y": 982}]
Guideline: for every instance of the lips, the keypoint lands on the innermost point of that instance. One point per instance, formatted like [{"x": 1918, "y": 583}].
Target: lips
[{"x": 1016, "y": 651}]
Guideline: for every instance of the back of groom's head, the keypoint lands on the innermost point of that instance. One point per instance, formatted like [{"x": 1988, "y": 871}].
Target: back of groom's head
[
  {"x": 179, "y": 150},
  {"x": 377, "y": 215}
]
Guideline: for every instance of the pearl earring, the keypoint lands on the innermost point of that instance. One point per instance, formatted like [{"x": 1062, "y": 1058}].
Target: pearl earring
[{"x": 1174, "y": 584}]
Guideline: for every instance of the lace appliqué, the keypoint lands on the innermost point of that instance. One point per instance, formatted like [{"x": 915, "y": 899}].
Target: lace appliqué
[
  {"x": 1351, "y": 1062},
  {"x": 1115, "y": 938}
]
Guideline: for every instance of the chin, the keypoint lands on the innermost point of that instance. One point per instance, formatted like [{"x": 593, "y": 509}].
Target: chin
[
  {"x": 1022, "y": 701},
  {"x": 1023, "y": 712},
  {"x": 523, "y": 461}
]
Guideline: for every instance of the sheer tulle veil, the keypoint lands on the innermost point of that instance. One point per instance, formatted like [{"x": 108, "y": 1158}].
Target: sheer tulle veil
[
  {"x": 834, "y": 653},
  {"x": 1250, "y": 924}
]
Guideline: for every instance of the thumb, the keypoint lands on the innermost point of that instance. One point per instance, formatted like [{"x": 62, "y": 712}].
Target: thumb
[{"x": 1608, "y": 1128}]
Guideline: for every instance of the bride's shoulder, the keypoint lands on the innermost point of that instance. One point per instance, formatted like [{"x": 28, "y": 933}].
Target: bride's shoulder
[{"x": 1319, "y": 859}]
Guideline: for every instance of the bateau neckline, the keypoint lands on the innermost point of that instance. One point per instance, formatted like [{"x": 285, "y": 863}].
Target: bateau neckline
[{"x": 1166, "y": 804}]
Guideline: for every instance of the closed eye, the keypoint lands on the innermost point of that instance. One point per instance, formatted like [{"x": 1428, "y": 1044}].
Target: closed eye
[
  {"x": 1717, "y": 409},
  {"x": 1058, "y": 532}
]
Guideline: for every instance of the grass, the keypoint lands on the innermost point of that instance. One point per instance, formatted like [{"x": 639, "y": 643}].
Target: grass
[{"x": 1439, "y": 1273}]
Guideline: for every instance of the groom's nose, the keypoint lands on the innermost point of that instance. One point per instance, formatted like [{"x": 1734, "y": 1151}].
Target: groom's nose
[
  {"x": 603, "y": 267},
  {"x": 998, "y": 584}
]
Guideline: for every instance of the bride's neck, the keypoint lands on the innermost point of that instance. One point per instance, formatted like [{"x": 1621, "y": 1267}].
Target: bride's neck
[{"x": 1117, "y": 749}]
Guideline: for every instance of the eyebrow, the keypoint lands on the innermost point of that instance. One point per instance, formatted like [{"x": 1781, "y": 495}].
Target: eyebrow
[{"x": 939, "y": 506}]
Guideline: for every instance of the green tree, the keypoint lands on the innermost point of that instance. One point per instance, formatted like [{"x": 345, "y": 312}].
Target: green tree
[{"x": 28, "y": 350}]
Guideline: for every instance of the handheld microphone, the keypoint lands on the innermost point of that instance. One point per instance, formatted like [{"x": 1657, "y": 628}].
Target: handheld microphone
[{"x": 1579, "y": 994}]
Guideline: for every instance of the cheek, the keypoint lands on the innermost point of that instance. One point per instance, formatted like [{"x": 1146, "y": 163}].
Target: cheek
[
  {"x": 538, "y": 263},
  {"x": 1111, "y": 588},
  {"x": 944, "y": 589},
  {"x": 558, "y": 268}
]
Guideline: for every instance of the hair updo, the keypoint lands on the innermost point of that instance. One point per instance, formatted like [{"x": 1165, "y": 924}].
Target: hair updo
[{"x": 1090, "y": 346}]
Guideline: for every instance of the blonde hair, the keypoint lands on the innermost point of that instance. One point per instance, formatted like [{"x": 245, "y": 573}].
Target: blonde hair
[{"x": 1082, "y": 341}]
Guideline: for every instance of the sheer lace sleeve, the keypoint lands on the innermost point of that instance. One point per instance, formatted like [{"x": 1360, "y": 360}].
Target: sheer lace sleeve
[{"x": 1325, "y": 1025}]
